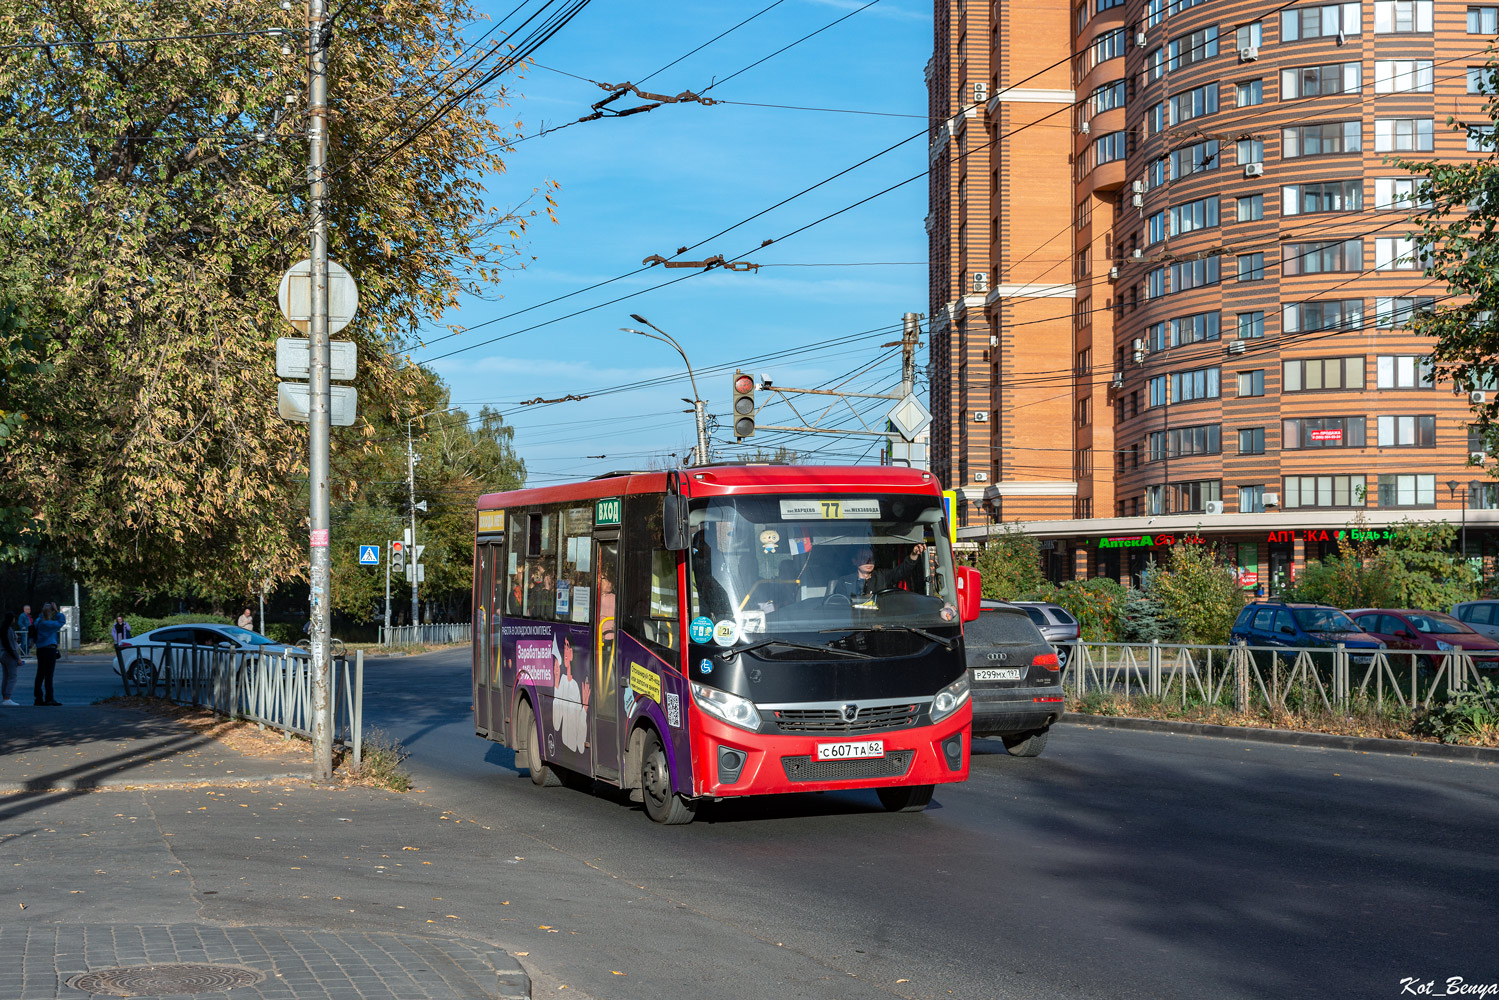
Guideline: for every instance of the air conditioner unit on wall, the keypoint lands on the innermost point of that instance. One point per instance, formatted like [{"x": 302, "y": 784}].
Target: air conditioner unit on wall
[
  {"x": 1476, "y": 457},
  {"x": 1272, "y": 499},
  {"x": 1113, "y": 274},
  {"x": 1137, "y": 200},
  {"x": 1084, "y": 128},
  {"x": 1118, "y": 381},
  {"x": 1478, "y": 396},
  {"x": 1249, "y": 53},
  {"x": 1254, "y": 170},
  {"x": 981, "y": 417},
  {"x": 1140, "y": 39},
  {"x": 1237, "y": 347},
  {"x": 980, "y": 281},
  {"x": 981, "y": 477},
  {"x": 1213, "y": 507}
]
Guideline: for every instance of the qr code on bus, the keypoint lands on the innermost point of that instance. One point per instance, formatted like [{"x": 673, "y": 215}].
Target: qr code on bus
[{"x": 673, "y": 710}]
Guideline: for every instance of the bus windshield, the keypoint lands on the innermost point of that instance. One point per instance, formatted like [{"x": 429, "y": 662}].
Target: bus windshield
[{"x": 775, "y": 564}]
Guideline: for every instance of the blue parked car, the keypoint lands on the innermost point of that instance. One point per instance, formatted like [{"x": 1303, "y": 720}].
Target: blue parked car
[{"x": 1271, "y": 623}]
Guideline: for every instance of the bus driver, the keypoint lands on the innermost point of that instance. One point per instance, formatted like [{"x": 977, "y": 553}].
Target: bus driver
[{"x": 863, "y": 580}]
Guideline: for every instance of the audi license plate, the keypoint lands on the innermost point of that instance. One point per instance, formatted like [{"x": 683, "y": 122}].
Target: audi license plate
[
  {"x": 856, "y": 750},
  {"x": 1000, "y": 674}
]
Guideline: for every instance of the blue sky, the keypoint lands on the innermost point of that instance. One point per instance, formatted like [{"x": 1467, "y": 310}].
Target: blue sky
[{"x": 650, "y": 183}]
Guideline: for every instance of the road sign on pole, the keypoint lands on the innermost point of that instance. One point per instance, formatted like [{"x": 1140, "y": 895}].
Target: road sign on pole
[
  {"x": 369, "y": 555},
  {"x": 294, "y": 296},
  {"x": 294, "y": 359}
]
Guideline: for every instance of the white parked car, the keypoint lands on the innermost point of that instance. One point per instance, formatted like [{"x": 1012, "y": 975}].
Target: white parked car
[{"x": 151, "y": 647}]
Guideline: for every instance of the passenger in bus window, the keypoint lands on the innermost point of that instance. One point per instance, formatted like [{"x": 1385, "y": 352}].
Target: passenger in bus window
[{"x": 864, "y": 579}]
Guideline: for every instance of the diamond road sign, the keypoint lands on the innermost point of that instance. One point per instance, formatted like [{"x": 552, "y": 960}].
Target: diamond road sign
[
  {"x": 909, "y": 417},
  {"x": 369, "y": 555}
]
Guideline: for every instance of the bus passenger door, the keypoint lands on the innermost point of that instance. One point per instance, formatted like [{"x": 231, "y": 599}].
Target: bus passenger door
[
  {"x": 484, "y": 629},
  {"x": 604, "y": 714}
]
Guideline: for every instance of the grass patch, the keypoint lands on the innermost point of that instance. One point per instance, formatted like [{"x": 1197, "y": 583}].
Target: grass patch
[{"x": 381, "y": 764}]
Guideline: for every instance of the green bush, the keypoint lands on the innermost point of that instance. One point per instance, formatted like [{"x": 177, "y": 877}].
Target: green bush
[
  {"x": 1470, "y": 716},
  {"x": 1097, "y": 604},
  {"x": 1143, "y": 619},
  {"x": 1199, "y": 595},
  {"x": 284, "y": 632},
  {"x": 1010, "y": 565},
  {"x": 140, "y": 623}
]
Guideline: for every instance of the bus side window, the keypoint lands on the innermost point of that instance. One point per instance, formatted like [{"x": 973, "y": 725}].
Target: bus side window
[
  {"x": 515, "y": 574},
  {"x": 575, "y": 579},
  {"x": 648, "y": 602}
]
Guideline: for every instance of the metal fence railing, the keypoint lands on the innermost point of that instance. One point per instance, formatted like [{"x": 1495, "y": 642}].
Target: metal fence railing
[
  {"x": 274, "y": 689},
  {"x": 436, "y": 634},
  {"x": 1288, "y": 678}
]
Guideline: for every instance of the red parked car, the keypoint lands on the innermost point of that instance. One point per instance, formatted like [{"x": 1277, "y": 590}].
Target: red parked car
[{"x": 1410, "y": 629}]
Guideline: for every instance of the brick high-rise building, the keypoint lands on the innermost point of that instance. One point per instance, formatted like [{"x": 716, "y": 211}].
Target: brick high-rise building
[{"x": 1170, "y": 273}]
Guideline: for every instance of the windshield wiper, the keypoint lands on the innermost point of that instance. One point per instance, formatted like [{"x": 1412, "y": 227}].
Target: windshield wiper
[
  {"x": 934, "y": 637},
  {"x": 791, "y": 644}
]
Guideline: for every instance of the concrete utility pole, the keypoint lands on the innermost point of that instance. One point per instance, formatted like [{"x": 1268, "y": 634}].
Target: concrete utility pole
[
  {"x": 318, "y": 411},
  {"x": 910, "y": 337},
  {"x": 411, "y": 560}
]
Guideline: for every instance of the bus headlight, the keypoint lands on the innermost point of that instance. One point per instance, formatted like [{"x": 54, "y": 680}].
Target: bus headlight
[
  {"x": 731, "y": 708},
  {"x": 950, "y": 698}
]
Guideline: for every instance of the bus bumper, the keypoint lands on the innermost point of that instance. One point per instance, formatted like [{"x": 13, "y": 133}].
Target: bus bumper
[{"x": 735, "y": 762}]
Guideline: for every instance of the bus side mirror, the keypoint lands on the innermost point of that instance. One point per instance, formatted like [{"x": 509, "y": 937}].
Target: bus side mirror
[
  {"x": 969, "y": 593},
  {"x": 674, "y": 522}
]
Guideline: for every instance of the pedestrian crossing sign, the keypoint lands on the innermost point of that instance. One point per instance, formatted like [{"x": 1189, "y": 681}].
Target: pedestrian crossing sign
[{"x": 369, "y": 555}]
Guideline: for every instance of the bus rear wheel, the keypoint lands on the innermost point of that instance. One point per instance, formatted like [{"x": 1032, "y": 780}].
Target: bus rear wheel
[
  {"x": 530, "y": 752},
  {"x": 661, "y": 804},
  {"x": 906, "y": 798}
]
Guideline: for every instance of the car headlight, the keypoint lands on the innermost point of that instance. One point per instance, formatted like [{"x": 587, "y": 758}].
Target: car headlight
[
  {"x": 730, "y": 708},
  {"x": 1443, "y": 646},
  {"x": 950, "y": 699}
]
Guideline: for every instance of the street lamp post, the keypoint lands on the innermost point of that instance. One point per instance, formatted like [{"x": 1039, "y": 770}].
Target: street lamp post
[
  {"x": 1452, "y": 485},
  {"x": 411, "y": 560},
  {"x": 698, "y": 403}
]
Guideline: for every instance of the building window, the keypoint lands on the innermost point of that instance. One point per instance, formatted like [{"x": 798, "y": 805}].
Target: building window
[
  {"x": 1198, "y": 383},
  {"x": 1155, "y": 283},
  {"x": 1249, "y": 207},
  {"x": 1252, "y": 383},
  {"x": 1084, "y": 361},
  {"x": 1480, "y": 138},
  {"x": 1189, "y": 274},
  {"x": 1322, "y": 196},
  {"x": 1402, "y": 76},
  {"x": 1084, "y": 213},
  {"x": 1107, "y": 149},
  {"x": 1103, "y": 5},
  {"x": 1083, "y": 462},
  {"x": 1403, "y": 371},
  {"x": 1106, "y": 98},
  {"x": 1189, "y": 104},
  {"x": 1158, "y": 387},
  {"x": 1321, "y": 257},
  {"x": 1319, "y": 81},
  {"x": 1321, "y": 140},
  {"x": 1251, "y": 267},
  {"x": 1319, "y": 22},
  {"x": 1392, "y": 313},
  {"x": 1251, "y": 325},
  {"x": 1193, "y": 215},
  {"x": 1483, "y": 20},
  {"x": 1193, "y": 48},
  {"x": 1397, "y": 253},
  {"x": 1251, "y": 499},
  {"x": 1250, "y": 36},
  {"x": 1193, "y": 329},
  {"x": 1183, "y": 498},
  {"x": 1249, "y": 151},
  {"x": 1328, "y": 314},
  {"x": 1155, "y": 65},
  {"x": 1400, "y": 192},
  {"x": 1193, "y": 159},
  {"x": 1183, "y": 441},
  {"x": 1319, "y": 374},
  {"x": 1322, "y": 491},
  {"x": 1408, "y": 432},
  {"x": 1401, "y": 16},
  {"x": 1155, "y": 119},
  {"x": 1393, "y": 135},
  {"x": 1481, "y": 80},
  {"x": 1155, "y": 227},
  {"x": 1155, "y": 173},
  {"x": 1155, "y": 337},
  {"x": 1407, "y": 491},
  {"x": 1156, "y": 9},
  {"x": 1251, "y": 92},
  {"x": 1251, "y": 441},
  {"x": 1109, "y": 45},
  {"x": 1322, "y": 432},
  {"x": 1080, "y": 18}
]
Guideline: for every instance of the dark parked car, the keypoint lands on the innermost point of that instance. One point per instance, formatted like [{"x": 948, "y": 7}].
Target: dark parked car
[
  {"x": 1014, "y": 677},
  {"x": 1407, "y": 629},
  {"x": 1265, "y": 623},
  {"x": 1481, "y": 616}
]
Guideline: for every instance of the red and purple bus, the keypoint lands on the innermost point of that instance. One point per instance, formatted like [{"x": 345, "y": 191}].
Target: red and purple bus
[{"x": 723, "y": 631}]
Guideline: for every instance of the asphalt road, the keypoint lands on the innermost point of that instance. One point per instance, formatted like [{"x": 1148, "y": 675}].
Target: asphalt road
[{"x": 1116, "y": 865}]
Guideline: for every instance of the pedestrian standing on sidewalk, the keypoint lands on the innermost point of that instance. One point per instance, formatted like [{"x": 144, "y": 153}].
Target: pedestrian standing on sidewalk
[
  {"x": 120, "y": 630},
  {"x": 10, "y": 659},
  {"x": 47, "y": 628},
  {"x": 24, "y": 623}
]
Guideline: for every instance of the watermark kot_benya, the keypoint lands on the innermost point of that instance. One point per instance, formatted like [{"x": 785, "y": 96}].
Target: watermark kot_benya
[{"x": 1452, "y": 986}]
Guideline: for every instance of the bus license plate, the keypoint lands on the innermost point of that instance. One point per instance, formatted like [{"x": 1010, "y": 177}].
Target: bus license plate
[
  {"x": 1000, "y": 674},
  {"x": 860, "y": 750}
]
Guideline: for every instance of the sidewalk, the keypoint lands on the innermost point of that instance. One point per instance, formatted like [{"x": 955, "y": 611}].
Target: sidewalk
[{"x": 148, "y": 858}]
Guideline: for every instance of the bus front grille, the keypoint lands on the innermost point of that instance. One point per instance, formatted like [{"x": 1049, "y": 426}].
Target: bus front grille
[
  {"x": 871, "y": 719},
  {"x": 892, "y": 765}
]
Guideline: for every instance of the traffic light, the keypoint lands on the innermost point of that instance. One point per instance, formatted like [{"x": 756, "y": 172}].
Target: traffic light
[
  {"x": 397, "y": 557},
  {"x": 744, "y": 405}
]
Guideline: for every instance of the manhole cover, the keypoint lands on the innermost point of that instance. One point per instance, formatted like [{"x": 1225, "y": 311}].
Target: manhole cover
[{"x": 164, "y": 980}]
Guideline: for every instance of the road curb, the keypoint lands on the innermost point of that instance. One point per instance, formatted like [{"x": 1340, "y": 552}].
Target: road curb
[
  {"x": 89, "y": 784},
  {"x": 1290, "y": 737}
]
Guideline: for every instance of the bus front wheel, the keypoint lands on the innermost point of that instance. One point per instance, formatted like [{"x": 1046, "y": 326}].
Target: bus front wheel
[
  {"x": 906, "y": 798},
  {"x": 661, "y": 804},
  {"x": 525, "y": 729}
]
